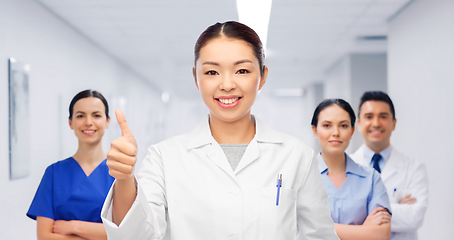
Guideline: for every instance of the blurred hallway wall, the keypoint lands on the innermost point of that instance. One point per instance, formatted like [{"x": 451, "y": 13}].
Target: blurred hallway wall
[
  {"x": 421, "y": 84},
  {"x": 351, "y": 77}
]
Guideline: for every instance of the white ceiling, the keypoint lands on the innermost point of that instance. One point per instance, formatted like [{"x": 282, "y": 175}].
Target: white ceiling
[{"x": 155, "y": 38}]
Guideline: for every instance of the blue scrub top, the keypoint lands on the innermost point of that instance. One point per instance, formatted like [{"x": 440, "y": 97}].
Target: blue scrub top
[
  {"x": 362, "y": 191},
  {"x": 67, "y": 193}
]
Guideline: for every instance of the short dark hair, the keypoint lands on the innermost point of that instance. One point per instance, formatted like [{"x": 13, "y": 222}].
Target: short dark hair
[
  {"x": 85, "y": 94},
  {"x": 377, "y": 96},
  {"x": 328, "y": 102},
  {"x": 235, "y": 30}
]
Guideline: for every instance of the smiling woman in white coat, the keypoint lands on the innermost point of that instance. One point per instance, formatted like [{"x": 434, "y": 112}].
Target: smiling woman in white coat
[{"x": 230, "y": 178}]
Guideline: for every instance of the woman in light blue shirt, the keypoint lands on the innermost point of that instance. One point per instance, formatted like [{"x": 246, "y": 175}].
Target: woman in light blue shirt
[{"x": 358, "y": 201}]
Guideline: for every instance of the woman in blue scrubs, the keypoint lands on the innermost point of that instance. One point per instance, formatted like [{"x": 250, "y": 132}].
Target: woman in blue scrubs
[
  {"x": 358, "y": 201},
  {"x": 68, "y": 202}
]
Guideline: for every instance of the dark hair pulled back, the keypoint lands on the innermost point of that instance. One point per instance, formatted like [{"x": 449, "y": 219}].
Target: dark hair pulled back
[
  {"x": 85, "y": 94},
  {"x": 235, "y": 30},
  {"x": 328, "y": 102}
]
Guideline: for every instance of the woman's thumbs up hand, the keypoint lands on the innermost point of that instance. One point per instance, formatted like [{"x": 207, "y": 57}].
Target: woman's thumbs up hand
[{"x": 122, "y": 155}]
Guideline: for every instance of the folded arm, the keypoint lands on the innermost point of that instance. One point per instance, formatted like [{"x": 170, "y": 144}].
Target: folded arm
[
  {"x": 409, "y": 216},
  {"x": 360, "y": 232},
  {"x": 376, "y": 227},
  {"x": 45, "y": 231},
  {"x": 86, "y": 230}
]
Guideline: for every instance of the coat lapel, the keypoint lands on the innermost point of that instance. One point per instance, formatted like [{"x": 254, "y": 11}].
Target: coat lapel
[
  {"x": 392, "y": 166},
  {"x": 251, "y": 154},
  {"x": 217, "y": 156},
  {"x": 201, "y": 138},
  {"x": 263, "y": 134}
]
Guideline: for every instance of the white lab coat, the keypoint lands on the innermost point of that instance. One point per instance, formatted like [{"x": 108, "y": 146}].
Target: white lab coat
[
  {"x": 188, "y": 190},
  {"x": 407, "y": 176}
]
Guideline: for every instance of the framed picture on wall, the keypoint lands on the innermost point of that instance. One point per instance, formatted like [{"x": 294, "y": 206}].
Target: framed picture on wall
[{"x": 19, "y": 119}]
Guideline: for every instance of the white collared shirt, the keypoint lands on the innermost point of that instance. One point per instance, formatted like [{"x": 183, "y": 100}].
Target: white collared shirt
[{"x": 188, "y": 190}]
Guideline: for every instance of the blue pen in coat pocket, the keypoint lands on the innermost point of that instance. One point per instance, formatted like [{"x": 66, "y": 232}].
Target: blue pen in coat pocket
[{"x": 279, "y": 185}]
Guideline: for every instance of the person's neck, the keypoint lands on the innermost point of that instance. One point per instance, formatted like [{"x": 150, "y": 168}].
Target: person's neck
[
  {"x": 336, "y": 163},
  {"x": 377, "y": 147},
  {"x": 90, "y": 154},
  {"x": 241, "y": 131}
]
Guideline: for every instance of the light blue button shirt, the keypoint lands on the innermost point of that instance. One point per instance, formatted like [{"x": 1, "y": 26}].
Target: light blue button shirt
[{"x": 362, "y": 191}]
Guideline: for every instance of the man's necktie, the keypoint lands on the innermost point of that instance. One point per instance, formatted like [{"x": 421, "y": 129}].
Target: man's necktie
[{"x": 376, "y": 159}]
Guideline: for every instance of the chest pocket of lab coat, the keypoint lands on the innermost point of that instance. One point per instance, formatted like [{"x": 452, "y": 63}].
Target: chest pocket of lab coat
[
  {"x": 401, "y": 191},
  {"x": 277, "y": 222}
]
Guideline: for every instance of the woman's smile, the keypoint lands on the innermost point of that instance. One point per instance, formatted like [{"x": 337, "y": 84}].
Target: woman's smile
[
  {"x": 228, "y": 101},
  {"x": 335, "y": 142},
  {"x": 89, "y": 132}
]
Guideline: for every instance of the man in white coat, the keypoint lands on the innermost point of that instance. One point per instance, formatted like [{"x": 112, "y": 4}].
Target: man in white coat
[{"x": 405, "y": 178}]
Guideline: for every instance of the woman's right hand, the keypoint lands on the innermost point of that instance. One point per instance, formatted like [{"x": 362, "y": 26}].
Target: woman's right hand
[
  {"x": 378, "y": 216},
  {"x": 121, "y": 159},
  {"x": 122, "y": 155}
]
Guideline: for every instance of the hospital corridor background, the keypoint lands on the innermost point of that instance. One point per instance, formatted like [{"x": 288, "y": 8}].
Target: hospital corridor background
[{"x": 139, "y": 55}]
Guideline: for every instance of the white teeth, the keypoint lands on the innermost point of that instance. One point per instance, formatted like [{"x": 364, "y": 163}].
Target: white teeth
[
  {"x": 228, "y": 101},
  {"x": 88, "y": 131}
]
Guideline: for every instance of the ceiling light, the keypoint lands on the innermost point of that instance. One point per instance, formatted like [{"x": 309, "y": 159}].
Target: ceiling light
[{"x": 255, "y": 14}]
